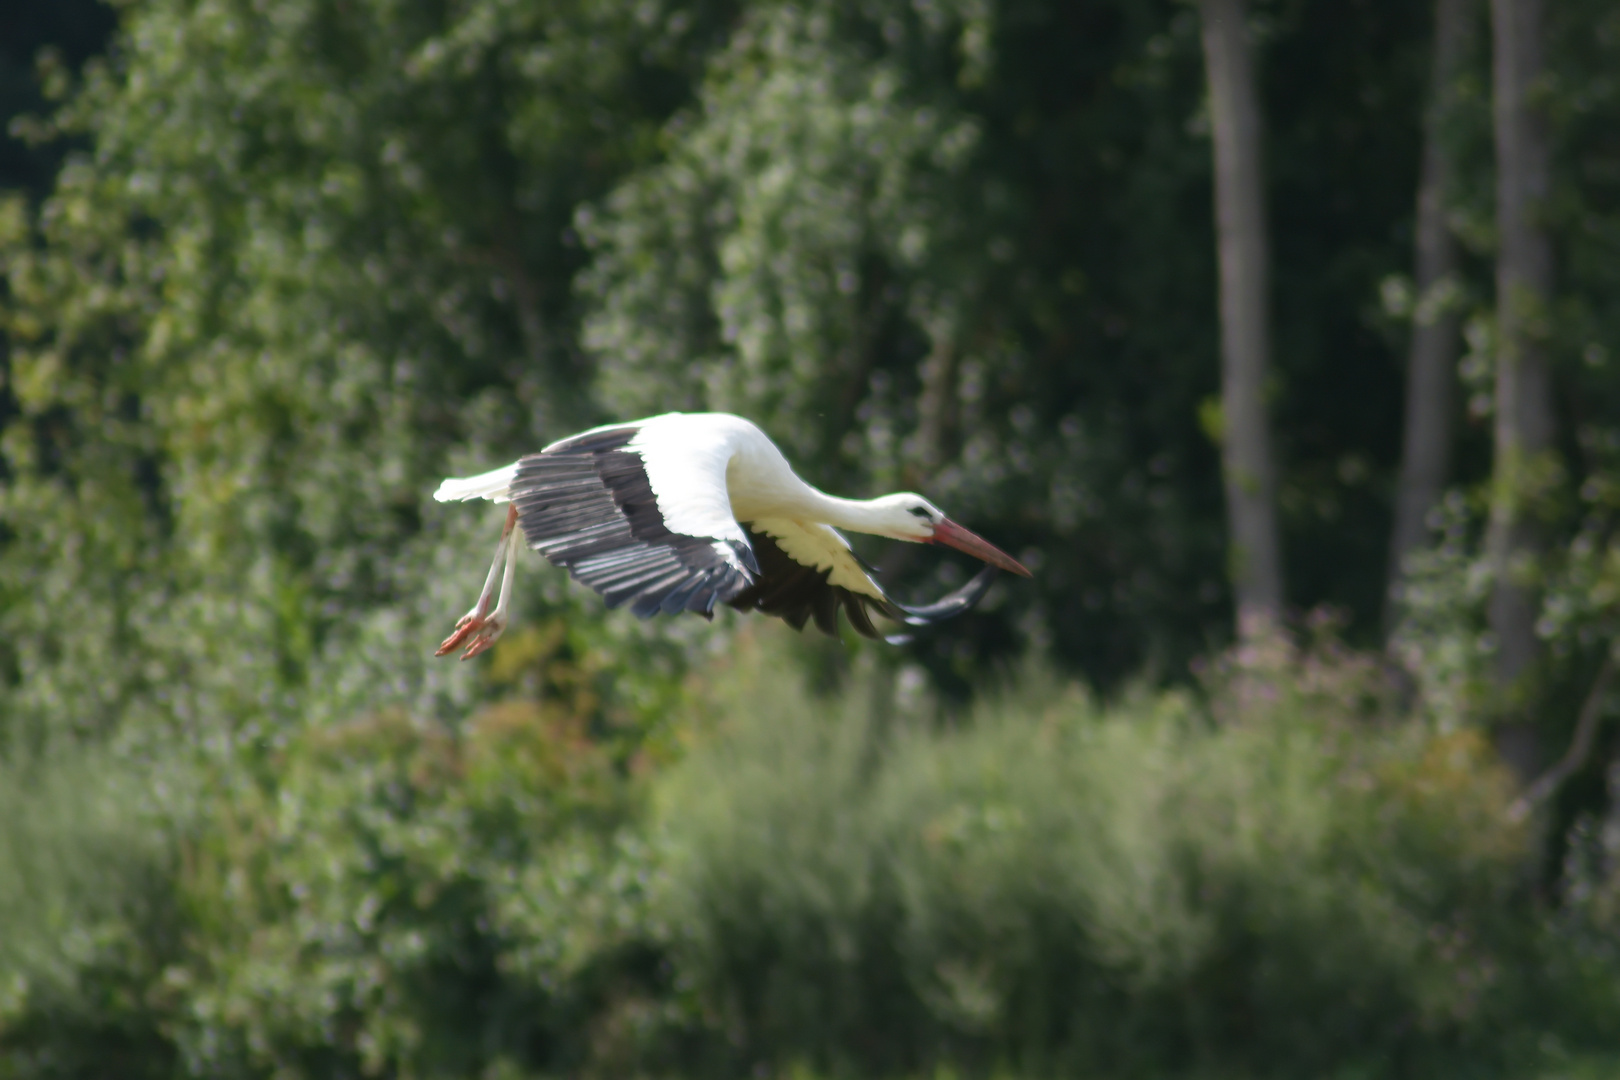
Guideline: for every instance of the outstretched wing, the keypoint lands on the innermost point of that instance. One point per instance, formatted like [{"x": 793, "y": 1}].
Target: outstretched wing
[
  {"x": 808, "y": 571},
  {"x": 586, "y": 504}
]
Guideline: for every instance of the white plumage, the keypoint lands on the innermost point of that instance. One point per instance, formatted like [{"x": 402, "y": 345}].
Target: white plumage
[
  {"x": 492, "y": 485},
  {"x": 686, "y": 510}
]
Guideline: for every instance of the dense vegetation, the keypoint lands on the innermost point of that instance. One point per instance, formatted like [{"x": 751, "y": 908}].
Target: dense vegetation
[
  {"x": 1277, "y": 875},
  {"x": 271, "y": 269}
]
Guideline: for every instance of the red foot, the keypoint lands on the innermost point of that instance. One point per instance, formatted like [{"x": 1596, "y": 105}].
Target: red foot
[{"x": 477, "y": 631}]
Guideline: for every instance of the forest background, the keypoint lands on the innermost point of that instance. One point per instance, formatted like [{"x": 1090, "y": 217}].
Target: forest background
[{"x": 1278, "y": 338}]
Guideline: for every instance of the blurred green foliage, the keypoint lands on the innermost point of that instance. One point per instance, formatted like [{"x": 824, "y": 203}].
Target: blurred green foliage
[
  {"x": 87, "y": 878},
  {"x": 979, "y": 232},
  {"x": 315, "y": 255},
  {"x": 305, "y": 257},
  {"x": 1286, "y": 881},
  {"x": 1275, "y": 876},
  {"x": 234, "y": 370},
  {"x": 371, "y": 908}
]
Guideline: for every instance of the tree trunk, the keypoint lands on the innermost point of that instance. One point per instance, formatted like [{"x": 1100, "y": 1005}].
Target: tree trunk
[
  {"x": 1524, "y": 413},
  {"x": 1426, "y": 440},
  {"x": 1253, "y": 549}
]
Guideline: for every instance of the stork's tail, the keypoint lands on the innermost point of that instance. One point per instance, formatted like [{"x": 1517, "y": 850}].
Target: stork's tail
[{"x": 493, "y": 485}]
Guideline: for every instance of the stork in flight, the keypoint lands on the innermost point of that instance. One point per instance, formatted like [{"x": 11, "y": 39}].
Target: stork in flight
[{"x": 684, "y": 511}]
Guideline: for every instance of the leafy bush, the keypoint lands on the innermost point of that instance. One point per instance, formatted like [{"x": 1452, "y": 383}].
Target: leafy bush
[
  {"x": 370, "y": 908},
  {"x": 383, "y": 896},
  {"x": 1288, "y": 881},
  {"x": 87, "y": 917},
  {"x": 1277, "y": 875}
]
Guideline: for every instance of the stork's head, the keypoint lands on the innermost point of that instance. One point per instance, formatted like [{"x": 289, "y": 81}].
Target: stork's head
[{"x": 906, "y": 516}]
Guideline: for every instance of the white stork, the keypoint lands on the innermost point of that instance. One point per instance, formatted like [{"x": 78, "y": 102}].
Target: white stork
[{"x": 686, "y": 510}]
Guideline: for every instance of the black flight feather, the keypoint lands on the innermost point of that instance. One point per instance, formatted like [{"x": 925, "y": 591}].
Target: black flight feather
[
  {"x": 586, "y": 505},
  {"x": 797, "y": 593}
]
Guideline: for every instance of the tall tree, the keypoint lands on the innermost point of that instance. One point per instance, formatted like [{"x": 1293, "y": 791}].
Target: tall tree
[
  {"x": 232, "y": 381},
  {"x": 1254, "y": 553},
  {"x": 1426, "y": 438},
  {"x": 1524, "y": 413}
]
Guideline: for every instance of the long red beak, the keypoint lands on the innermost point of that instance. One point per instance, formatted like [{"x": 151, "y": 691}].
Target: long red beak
[{"x": 953, "y": 535}]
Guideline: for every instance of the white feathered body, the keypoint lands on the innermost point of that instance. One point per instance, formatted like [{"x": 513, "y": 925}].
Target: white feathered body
[{"x": 711, "y": 471}]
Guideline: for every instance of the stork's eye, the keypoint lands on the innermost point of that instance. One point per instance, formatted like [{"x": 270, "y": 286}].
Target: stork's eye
[{"x": 922, "y": 512}]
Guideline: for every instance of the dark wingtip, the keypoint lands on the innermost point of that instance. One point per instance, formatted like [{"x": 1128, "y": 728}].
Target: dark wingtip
[{"x": 953, "y": 603}]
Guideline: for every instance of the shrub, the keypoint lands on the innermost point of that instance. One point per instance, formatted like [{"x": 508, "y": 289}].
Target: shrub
[
  {"x": 1283, "y": 879},
  {"x": 87, "y": 918},
  {"x": 1276, "y": 875},
  {"x": 369, "y": 909}
]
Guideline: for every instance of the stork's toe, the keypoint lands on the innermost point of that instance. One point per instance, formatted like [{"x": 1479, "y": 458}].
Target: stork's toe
[
  {"x": 487, "y": 635},
  {"x": 470, "y": 624}
]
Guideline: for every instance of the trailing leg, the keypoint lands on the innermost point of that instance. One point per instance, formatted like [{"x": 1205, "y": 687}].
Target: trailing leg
[{"x": 480, "y": 626}]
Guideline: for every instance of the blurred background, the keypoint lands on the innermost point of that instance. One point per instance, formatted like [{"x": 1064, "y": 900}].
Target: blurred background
[{"x": 1277, "y": 336}]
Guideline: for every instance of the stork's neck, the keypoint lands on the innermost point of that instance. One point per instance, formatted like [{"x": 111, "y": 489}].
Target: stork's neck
[
  {"x": 761, "y": 484},
  {"x": 855, "y": 515}
]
